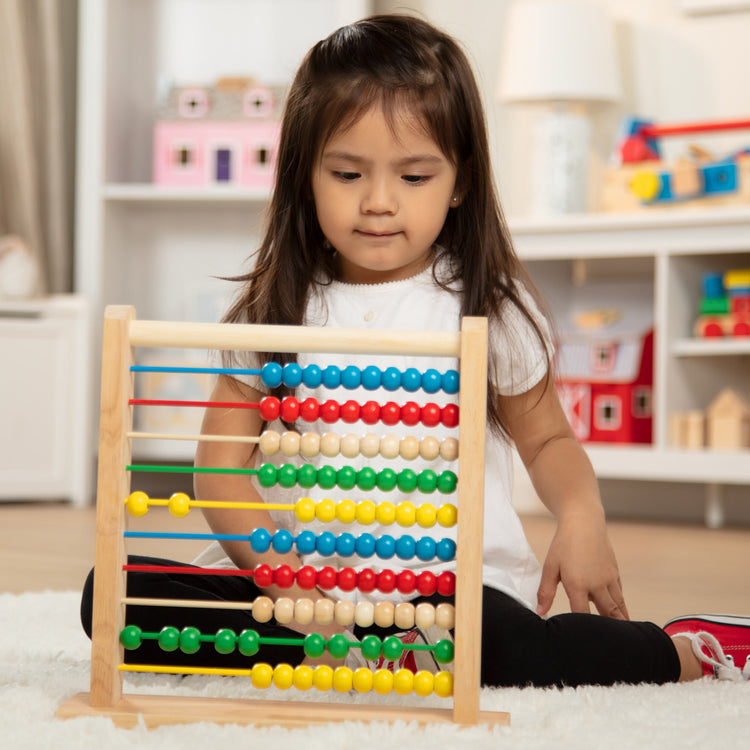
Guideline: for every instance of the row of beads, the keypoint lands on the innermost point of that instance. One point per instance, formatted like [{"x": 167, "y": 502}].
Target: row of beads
[
  {"x": 311, "y": 444},
  {"x": 347, "y": 478},
  {"x": 371, "y": 378},
  {"x": 290, "y": 409}
]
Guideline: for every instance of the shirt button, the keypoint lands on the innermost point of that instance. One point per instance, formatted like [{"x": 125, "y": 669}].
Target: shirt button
[{"x": 370, "y": 316}]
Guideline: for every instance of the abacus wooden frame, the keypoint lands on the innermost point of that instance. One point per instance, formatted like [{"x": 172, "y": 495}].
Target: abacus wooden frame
[{"x": 122, "y": 333}]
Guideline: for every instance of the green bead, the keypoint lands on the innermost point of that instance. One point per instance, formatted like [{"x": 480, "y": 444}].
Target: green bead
[
  {"x": 427, "y": 481},
  {"x": 169, "y": 639},
  {"x": 225, "y": 641},
  {"x": 307, "y": 476},
  {"x": 367, "y": 478},
  {"x": 446, "y": 482},
  {"x": 326, "y": 477},
  {"x": 346, "y": 478},
  {"x": 288, "y": 475},
  {"x": 407, "y": 480},
  {"x": 392, "y": 648},
  {"x": 190, "y": 640},
  {"x": 267, "y": 474},
  {"x": 443, "y": 651},
  {"x": 338, "y": 646},
  {"x": 248, "y": 642},
  {"x": 387, "y": 479},
  {"x": 314, "y": 645},
  {"x": 130, "y": 637},
  {"x": 370, "y": 646}
]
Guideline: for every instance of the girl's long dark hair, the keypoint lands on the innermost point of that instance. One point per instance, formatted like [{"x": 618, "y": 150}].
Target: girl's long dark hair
[{"x": 391, "y": 61}]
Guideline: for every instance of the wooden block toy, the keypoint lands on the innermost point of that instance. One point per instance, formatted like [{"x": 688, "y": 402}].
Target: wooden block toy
[{"x": 728, "y": 422}]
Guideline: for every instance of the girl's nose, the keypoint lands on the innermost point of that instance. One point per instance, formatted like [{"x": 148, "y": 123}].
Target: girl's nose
[{"x": 379, "y": 199}]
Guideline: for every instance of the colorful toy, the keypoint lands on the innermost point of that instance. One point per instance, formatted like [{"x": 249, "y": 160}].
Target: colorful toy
[
  {"x": 225, "y": 134},
  {"x": 111, "y": 633},
  {"x": 724, "y": 308}
]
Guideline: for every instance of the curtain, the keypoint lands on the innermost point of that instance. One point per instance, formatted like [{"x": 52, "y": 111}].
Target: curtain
[{"x": 36, "y": 160}]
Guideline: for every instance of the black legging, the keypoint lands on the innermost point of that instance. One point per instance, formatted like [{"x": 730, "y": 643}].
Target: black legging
[{"x": 519, "y": 648}]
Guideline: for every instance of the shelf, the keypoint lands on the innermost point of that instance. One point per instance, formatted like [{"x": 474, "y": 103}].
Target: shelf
[
  {"x": 718, "y": 347},
  {"x": 146, "y": 192}
]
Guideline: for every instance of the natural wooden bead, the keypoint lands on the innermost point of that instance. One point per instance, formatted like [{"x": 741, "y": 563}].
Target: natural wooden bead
[
  {"x": 304, "y": 611},
  {"x": 263, "y": 609},
  {"x": 369, "y": 445},
  {"x": 384, "y": 614},
  {"x": 269, "y": 442},
  {"x": 424, "y": 616},
  {"x": 429, "y": 448},
  {"x": 283, "y": 610},
  {"x": 324, "y": 611},
  {"x": 403, "y": 615},
  {"x": 344, "y": 612},
  {"x": 445, "y": 616},
  {"x": 408, "y": 448},
  {"x": 309, "y": 444},
  {"x": 290, "y": 443},
  {"x": 329, "y": 444},
  {"x": 449, "y": 449},
  {"x": 389, "y": 446},
  {"x": 349, "y": 446},
  {"x": 364, "y": 614}
]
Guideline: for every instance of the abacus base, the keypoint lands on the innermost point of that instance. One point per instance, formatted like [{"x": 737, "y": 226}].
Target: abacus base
[{"x": 159, "y": 710}]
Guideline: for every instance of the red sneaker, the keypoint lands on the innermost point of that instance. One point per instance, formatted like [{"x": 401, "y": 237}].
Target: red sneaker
[{"x": 721, "y": 642}]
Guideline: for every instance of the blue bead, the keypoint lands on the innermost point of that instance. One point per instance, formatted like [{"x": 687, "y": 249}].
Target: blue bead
[
  {"x": 385, "y": 547},
  {"x": 312, "y": 376},
  {"x": 405, "y": 547},
  {"x": 260, "y": 540},
  {"x": 326, "y": 543},
  {"x": 371, "y": 377},
  {"x": 292, "y": 374},
  {"x": 425, "y": 549},
  {"x": 270, "y": 374},
  {"x": 345, "y": 545},
  {"x": 282, "y": 541},
  {"x": 450, "y": 381},
  {"x": 364, "y": 545},
  {"x": 445, "y": 549},
  {"x": 431, "y": 381},
  {"x": 332, "y": 377},
  {"x": 391, "y": 379},
  {"x": 351, "y": 377},
  {"x": 411, "y": 380},
  {"x": 306, "y": 542}
]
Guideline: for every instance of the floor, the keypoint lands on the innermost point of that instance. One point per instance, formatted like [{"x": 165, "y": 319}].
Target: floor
[{"x": 667, "y": 570}]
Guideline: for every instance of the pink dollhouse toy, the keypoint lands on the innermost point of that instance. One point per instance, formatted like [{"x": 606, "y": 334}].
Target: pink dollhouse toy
[{"x": 226, "y": 134}]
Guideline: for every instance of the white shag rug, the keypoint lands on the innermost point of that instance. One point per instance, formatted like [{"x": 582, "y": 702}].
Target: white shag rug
[{"x": 44, "y": 660}]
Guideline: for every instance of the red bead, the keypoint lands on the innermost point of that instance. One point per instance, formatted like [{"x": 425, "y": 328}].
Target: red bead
[
  {"x": 289, "y": 409},
  {"x": 390, "y": 413},
  {"x": 306, "y": 577},
  {"x": 386, "y": 581},
  {"x": 347, "y": 579},
  {"x": 269, "y": 408},
  {"x": 449, "y": 415},
  {"x": 263, "y": 576},
  {"x": 410, "y": 413},
  {"x": 446, "y": 583},
  {"x": 426, "y": 583},
  {"x": 329, "y": 411},
  {"x": 406, "y": 580},
  {"x": 430, "y": 415},
  {"x": 366, "y": 580},
  {"x": 283, "y": 576},
  {"x": 326, "y": 578},
  {"x": 309, "y": 409},
  {"x": 349, "y": 412},
  {"x": 370, "y": 412},
  {"x": 741, "y": 329}
]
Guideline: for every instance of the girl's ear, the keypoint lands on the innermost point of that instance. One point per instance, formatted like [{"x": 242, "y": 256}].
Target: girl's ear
[{"x": 456, "y": 200}]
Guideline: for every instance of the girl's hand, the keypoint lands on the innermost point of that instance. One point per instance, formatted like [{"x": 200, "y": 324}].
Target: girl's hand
[{"x": 581, "y": 558}]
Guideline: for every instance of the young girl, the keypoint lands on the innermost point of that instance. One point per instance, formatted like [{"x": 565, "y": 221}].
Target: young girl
[{"x": 384, "y": 215}]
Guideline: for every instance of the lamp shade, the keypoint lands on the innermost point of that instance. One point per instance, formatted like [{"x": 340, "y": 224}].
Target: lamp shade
[{"x": 558, "y": 50}]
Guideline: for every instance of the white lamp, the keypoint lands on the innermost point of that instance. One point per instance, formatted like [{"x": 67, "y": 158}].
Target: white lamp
[{"x": 560, "y": 53}]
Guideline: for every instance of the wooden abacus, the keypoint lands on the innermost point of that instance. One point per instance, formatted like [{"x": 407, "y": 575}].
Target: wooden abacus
[{"x": 122, "y": 334}]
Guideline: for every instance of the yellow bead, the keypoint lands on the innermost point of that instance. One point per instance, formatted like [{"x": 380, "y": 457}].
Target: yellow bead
[
  {"x": 346, "y": 511},
  {"x": 429, "y": 448},
  {"x": 385, "y": 513},
  {"x": 325, "y": 510},
  {"x": 322, "y": 677},
  {"x": 443, "y": 684},
  {"x": 446, "y": 515},
  {"x": 405, "y": 514},
  {"x": 403, "y": 681},
  {"x": 269, "y": 442},
  {"x": 449, "y": 449},
  {"x": 362, "y": 680},
  {"x": 426, "y": 515},
  {"x": 262, "y": 675},
  {"x": 137, "y": 504},
  {"x": 424, "y": 683},
  {"x": 382, "y": 681},
  {"x": 283, "y": 676},
  {"x": 366, "y": 512},
  {"x": 342, "y": 679},
  {"x": 179, "y": 504},
  {"x": 304, "y": 509},
  {"x": 302, "y": 677}
]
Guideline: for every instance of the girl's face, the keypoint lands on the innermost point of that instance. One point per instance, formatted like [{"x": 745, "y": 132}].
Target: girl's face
[{"x": 381, "y": 196}]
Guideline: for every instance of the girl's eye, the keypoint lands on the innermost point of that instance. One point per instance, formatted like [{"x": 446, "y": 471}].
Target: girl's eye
[
  {"x": 415, "y": 179},
  {"x": 347, "y": 176}
]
